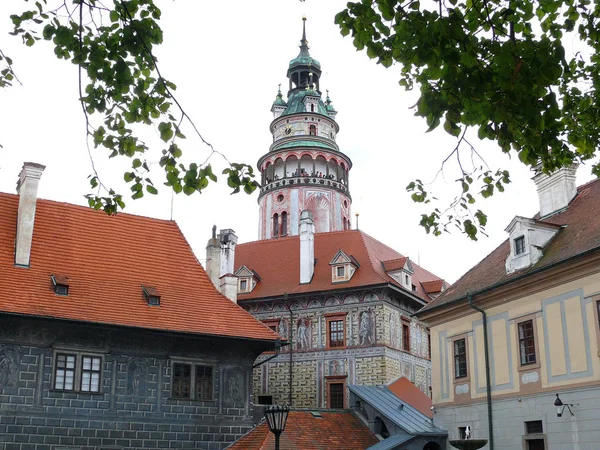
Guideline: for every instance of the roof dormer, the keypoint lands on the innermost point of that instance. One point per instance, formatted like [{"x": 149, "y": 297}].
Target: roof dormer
[
  {"x": 527, "y": 238},
  {"x": 401, "y": 270},
  {"x": 152, "y": 295},
  {"x": 247, "y": 280},
  {"x": 60, "y": 284},
  {"x": 343, "y": 267}
]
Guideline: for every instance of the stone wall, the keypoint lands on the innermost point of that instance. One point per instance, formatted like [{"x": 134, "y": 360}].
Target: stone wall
[{"x": 125, "y": 413}]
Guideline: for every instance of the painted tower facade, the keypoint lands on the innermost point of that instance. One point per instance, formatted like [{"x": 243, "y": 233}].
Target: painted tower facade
[{"x": 304, "y": 168}]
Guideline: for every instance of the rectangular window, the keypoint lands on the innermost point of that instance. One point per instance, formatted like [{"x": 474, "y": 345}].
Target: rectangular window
[
  {"x": 428, "y": 344},
  {"x": 182, "y": 380},
  {"x": 64, "y": 372},
  {"x": 336, "y": 395},
  {"x": 243, "y": 285},
  {"x": 460, "y": 358},
  {"x": 462, "y": 432},
  {"x": 77, "y": 372},
  {"x": 192, "y": 381},
  {"x": 204, "y": 380},
  {"x": 520, "y": 245},
  {"x": 340, "y": 271},
  {"x": 336, "y": 333},
  {"x": 406, "y": 337},
  {"x": 598, "y": 311},
  {"x": 534, "y": 427},
  {"x": 526, "y": 343},
  {"x": 265, "y": 399},
  {"x": 90, "y": 374}
]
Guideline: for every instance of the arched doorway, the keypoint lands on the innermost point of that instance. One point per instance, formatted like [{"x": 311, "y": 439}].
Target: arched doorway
[{"x": 432, "y": 446}]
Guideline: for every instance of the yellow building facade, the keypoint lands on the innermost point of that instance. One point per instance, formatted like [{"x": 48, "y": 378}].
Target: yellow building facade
[{"x": 543, "y": 336}]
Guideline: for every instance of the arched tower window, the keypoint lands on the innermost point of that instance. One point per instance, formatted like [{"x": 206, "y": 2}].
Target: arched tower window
[
  {"x": 312, "y": 107},
  {"x": 275, "y": 225},
  {"x": 284, "y": 224},
  {"x": 312, "y": 130}
]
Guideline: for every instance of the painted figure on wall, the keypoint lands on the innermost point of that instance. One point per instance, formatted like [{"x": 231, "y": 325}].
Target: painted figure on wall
[
  {"x": 136, "y": 378},
  {"x": 366, "y": 328},
  {"x": 304, "y": 333},
  {"x": 283, "y": 328},
  {"x": 9, "y": 361}
]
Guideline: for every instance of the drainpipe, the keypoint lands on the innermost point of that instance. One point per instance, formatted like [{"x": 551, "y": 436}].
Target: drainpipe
[
  {"x": 488, "y": 387},
  {"x": 291, "y": 348}
]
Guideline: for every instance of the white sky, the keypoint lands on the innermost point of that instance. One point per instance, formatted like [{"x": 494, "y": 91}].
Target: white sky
[{"x": 227, "y": 63}]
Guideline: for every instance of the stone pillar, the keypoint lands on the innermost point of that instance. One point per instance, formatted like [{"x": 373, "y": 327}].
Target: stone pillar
[
  {"x": 307, "y": 246},
  {"x": 27, "y": 188}
]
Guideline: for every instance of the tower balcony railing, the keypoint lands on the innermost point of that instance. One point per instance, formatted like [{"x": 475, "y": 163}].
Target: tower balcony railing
[{"x": 300, "y": 180}]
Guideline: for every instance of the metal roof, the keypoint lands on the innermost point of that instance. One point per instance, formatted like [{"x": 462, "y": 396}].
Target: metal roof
[
  {"x": 296, "y": 104},
  {"x": 293, "y": 144},
  {"x": 397, "y": 411},
  {"x": 392, "y": 442}
]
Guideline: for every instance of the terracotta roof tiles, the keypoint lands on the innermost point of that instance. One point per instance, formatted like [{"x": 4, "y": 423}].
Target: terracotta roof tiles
[
  {"x": 106, "y": 260},
  {"x": 278, "y": 262},
  {"x": 334, "y": 430}
]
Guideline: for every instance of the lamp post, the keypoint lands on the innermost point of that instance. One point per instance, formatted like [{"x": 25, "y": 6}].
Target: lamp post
[{"x": 276, "y": 417}]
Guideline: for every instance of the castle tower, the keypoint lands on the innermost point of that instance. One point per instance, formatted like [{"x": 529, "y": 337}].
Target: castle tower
[{"x": 304, "y": 168}]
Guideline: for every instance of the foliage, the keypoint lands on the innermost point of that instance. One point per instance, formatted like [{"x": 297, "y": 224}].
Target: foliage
[
  {"x": 121, "y": 83},
  {"x": 498, "y": 66}
]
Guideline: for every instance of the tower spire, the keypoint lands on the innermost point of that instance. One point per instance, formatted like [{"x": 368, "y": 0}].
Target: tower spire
[{"x": 304, "y": 42}]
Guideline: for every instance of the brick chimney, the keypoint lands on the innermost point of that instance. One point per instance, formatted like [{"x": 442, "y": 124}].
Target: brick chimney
[
  {"x": 307, "y": 247},
  {"x": 213, "y": 258},
  {"x": 555, "y": 191},
  {"x": 27, "y": 188}
]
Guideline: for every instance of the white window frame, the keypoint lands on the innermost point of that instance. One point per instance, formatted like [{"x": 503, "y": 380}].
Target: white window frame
[{"x": 79, "y": 355}]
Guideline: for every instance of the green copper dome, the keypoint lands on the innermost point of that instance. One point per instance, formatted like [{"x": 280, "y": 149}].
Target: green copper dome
[{"x": 279, "y": 101}]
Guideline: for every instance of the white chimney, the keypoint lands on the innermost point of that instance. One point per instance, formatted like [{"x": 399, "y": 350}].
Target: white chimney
[
  {"x": 213, "y": 258},
  {"x": 228, "y": 241},
  {"x": 27, "y": 188},
  {"x": 556, "y": 191},
  {"x": 307, "y": 247},
  {"x": 228, "y": 286}
]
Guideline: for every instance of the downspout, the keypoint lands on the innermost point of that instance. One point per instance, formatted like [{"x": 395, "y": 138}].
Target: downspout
[
  {"x": 488, "y": 386},
  {"x": 291, "y": 349}
]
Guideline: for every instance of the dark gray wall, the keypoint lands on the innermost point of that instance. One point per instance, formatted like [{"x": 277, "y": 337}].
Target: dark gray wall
[{"x": 33, "y": 416}]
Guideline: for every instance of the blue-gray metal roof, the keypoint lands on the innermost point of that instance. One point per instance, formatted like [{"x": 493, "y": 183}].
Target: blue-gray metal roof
[
  {"x": 392, "y": 442},
  {"x": 397, "y": 411}
]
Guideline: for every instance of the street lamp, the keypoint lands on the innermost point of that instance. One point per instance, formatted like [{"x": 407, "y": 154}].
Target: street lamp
[
  {"x": 276, "y": 417},
  {"x": 560, "y": 406}
]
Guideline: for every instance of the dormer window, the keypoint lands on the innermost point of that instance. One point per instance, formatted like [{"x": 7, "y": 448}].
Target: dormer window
[
  {"x": 520, "y": 245},
  {"x": 343, "y": 267},
  {"x": 60, "y": 284},
  {"x": 152, "y": 295},
  {"x": 247, "y": 280},
  {"x": 401, "y": 270}
]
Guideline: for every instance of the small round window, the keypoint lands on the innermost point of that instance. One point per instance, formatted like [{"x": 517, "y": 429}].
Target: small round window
[{"x": 280, "y": 198}]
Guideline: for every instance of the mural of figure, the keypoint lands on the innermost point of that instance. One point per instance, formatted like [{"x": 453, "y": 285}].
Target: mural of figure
[
  {"x": 5, "y": 370},
  {"x": 366, "y": 329},
  {"x": 303, "y": 333},
  {"x": 394, "y": 330},
  {"x": 282, "y": 329},
  {"x": 136, "y": 382},
  {"x": 233, "y": 386},
  {"x": 337, "y": 367}
]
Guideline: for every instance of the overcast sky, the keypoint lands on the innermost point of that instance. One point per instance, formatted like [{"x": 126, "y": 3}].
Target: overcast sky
[{"x": 227, "y": 62}]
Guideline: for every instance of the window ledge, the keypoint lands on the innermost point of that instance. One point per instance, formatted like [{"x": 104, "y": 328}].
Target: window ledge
[
  {"x": 528, "y": 367},
  {"x": 173, "y": 400}
]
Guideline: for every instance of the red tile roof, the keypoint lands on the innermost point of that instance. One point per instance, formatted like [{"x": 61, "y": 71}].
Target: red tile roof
[
  {"x": 406, "y": 391},
  {"x": 580, "y": 234},
  {"x": 335, "y": 430},
  {"x": 433, "y": 287},
  {"x": 107, "y": 259},
  {"x": 395, "y": 264},
  {"x": 278, "y": 262}
]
